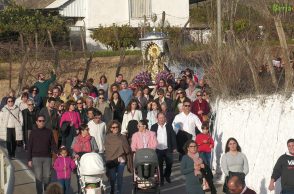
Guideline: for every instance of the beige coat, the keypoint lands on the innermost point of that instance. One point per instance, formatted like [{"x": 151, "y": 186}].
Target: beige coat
[{"x": 8, "y": 120}]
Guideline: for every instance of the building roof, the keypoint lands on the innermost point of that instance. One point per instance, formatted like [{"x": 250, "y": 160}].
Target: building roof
[
  {"x": 57, "y": 4},
  {"x": 34, "y": 4}
]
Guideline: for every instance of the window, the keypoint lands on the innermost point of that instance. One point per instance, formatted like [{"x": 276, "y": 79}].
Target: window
[{"x": 139, "y": 8}]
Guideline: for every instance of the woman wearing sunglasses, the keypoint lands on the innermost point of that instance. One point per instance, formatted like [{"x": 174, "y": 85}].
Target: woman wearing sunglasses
[
  {"x": 118, "y": 155},
  {"x": 11, "y": 121},
  {"x": 29, "y": 118},
  {"x": 180, "y": 98},
  {"x": 103, "y": 106},
  {"x": 191, "y": 166}
]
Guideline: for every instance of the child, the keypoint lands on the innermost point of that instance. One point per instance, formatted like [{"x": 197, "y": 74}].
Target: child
[
  {"x": 63, "y": 166},
  {"x": 205, "y": 143},
  {"x": 152, "y": 113}
]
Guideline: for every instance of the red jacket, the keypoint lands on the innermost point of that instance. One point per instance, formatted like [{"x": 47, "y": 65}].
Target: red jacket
[
  {"x": 197, "y": 106},
  {"x": 204, "y": 147}
]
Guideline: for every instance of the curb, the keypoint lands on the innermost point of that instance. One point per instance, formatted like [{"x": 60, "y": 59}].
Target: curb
[{"x": 9, "y": 186}]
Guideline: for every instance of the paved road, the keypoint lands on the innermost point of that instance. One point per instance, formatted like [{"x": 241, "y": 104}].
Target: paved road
[{"x": 25, "y": 183}]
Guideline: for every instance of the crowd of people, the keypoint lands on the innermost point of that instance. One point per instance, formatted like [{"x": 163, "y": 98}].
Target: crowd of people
[{"x": 59, "y": 123}]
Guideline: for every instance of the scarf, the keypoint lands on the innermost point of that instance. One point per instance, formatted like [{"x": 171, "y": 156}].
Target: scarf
[
  {"x": 197, "y": 161},
  {"x": 82, "y": 144},
  {"x": 116, "y": 145}
]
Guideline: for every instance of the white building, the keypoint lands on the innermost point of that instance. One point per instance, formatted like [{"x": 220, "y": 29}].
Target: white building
[{"x": 93, "y": 13}]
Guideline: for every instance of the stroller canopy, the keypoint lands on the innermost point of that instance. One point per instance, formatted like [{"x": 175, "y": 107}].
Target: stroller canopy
[
  {"x": 91, "y": 164},
  {"x": 145, "y": 155}
]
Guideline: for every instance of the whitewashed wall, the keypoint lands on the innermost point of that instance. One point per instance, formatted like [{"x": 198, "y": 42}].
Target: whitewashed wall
[
  {"x": 262, "y": 127},
  {"x": 107, "y": 12}
]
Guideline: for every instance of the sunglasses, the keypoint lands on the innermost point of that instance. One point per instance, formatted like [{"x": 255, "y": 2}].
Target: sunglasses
[
  {"x": 180, "y": 93},
  {"x": 187, "y": 105},
  {"x": 101, "y": 98},
  {"x": 79, "y": 103},
  {"x": 41, "y": 121}
]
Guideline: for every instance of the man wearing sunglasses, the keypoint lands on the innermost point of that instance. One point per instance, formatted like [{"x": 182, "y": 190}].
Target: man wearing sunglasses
[
  {"x": 51, "y": 117},
  {"x": 186, "y": 124},
  {"x": 40, "y": 147}
]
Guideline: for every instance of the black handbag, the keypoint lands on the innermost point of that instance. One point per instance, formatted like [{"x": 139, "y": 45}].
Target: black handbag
[
  {"x": 112, "y": 163},
  {"x": 241, "y": 175}
]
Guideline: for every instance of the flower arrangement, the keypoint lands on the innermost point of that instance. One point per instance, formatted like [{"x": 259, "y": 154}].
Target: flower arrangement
[
  {"x": 162, "y": 75},
  {"x": 141, "y": 79}
]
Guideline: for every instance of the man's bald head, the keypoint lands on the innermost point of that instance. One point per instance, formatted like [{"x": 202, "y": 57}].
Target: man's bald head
[{"x": 235, "y": 185}]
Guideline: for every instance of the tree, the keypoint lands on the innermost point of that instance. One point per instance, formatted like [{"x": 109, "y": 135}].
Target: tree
[
  {"x": 116, "y": 37},
  {"x": 33, "y": 27},
  {"x": 265, "y": 8}
]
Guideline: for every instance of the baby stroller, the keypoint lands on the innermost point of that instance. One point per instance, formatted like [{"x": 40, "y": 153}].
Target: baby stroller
[
  {"x": 146, "y": 172},
  {"x": 90, "y": 172}
]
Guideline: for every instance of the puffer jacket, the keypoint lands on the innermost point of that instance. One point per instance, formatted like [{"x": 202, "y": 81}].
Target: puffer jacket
[
  {"x": 7, "y": 120},
  {"x": 63, "y": 167}
]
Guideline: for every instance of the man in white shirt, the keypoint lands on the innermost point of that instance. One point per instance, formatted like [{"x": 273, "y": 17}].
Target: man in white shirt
[
  {"x": 97, "y": 129},
  {"x": 166, "y": 146},
  {"x": 185, "y": 125},
  {"x": 186, "y": 120}
]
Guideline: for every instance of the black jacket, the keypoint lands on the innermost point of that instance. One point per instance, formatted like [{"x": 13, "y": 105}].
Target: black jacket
[
  {"x": 29, "y": 118},
  {"x": 68, "y": 133},
  {"x": 29, "y": 121},
  {"x": 171, "y": 136},
  {"x": 207, "y": 174},
  {"x": 284, "y": 168},
  {"x": 118, "y": 110}
]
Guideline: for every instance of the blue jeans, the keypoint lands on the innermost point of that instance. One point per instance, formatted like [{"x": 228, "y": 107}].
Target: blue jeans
[
  {"x": 65, "y": 183},
  {"x": 116, "y": 176},
  {"x": 206, "y": 157}
]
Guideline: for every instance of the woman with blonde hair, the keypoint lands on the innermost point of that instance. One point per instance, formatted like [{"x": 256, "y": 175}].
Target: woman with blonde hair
[{"x": 118, "y": 155}]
